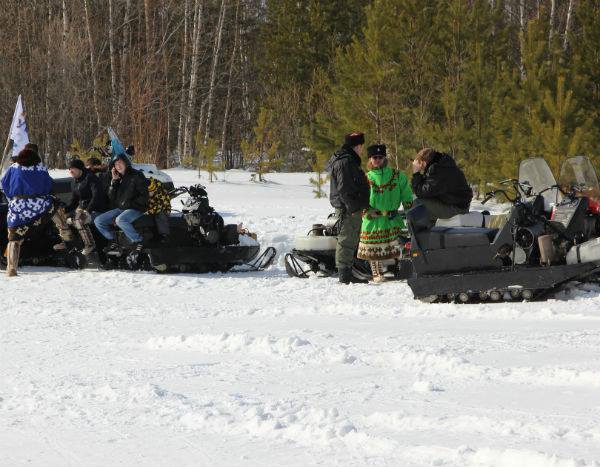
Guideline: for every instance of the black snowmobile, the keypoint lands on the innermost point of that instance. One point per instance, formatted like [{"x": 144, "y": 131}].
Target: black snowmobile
[
  {"x": 314, "y": 254},
  {"x": 549, "y": 238},
  {"x": 199, "y": 241}
]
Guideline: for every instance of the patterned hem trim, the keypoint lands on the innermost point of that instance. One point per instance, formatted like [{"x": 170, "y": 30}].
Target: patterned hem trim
[{"x": 380, "y": 252}]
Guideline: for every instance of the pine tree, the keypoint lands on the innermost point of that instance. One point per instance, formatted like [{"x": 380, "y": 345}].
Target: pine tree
[
  {"x": 321, "y": 177},
  {"x": 261, "y": 152},
  {"x": 564, "y": 130},
  {"x": 207, "y": 154}
]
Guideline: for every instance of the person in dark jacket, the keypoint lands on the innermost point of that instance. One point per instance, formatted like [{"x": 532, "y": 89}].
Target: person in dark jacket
[
  {"x": 88, "y": 200},
  {"x": 440, "y": 185},
  {"x": 100, "y": 170},
  {"x": 159, "y": 207},
  {"x": 349, "y": 195},
  {"x": 128, "y": 197}
]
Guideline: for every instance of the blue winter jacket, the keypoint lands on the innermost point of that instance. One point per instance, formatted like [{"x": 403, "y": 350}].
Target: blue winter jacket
[{"x": 28, "y": 192}]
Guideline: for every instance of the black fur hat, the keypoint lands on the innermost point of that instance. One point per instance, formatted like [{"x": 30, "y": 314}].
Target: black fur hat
[
  {"x": 32, "y": 146},
  {"x": 355, "y": 139},
  {"x": 28, "y": 157},
  {"x": 377, "y": 150}
]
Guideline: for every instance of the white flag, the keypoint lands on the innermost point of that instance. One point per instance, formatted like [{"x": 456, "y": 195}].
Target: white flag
[{"x": 18, "y": 130}]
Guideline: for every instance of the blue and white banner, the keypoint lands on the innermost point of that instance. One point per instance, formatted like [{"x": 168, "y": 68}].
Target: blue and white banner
[
  {"x": 19, "y": 133},
  {"x": 117, "y": 148}
]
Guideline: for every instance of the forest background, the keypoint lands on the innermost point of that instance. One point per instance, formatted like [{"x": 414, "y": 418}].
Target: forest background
[{"x": 275, "y": 84}]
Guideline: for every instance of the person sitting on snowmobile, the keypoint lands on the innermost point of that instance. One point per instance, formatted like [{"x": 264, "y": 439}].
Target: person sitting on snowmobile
[
  {"x": 381, "y": 224},
  {"x": 88, "y": 200},
  {"x": 159, "y": 206},
  {"x": 128, "y": 197},
  {"x": 100, "y": 170},
  {"x": 349, "y": 195},
  {"x": 440, "y": 185},
  {"x": 27, "y": 185}
]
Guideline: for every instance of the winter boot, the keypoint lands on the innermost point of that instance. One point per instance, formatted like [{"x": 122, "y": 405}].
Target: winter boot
[
  {"x": 377, "y": 270},
  {"x": 64, "y": 231},
  {"x": 88, "y": 239},
  {"x": 133, "y": 258},
  {"x": 347, "y": 277},
  {"x": 12, "y": 258},
  {"x": 114, "y": 249},
  {"x": 62, "y": 246}
]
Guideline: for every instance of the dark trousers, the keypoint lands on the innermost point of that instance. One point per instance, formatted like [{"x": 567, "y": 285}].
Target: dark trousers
[
  {"x": 162, "y": 223},
  {"x": 438, "y": 210},
  {"x": 348, "y": 238}
]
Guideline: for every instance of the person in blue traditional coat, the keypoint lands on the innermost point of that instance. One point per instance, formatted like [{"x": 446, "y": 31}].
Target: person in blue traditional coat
[{"x": 27, "y": 185}]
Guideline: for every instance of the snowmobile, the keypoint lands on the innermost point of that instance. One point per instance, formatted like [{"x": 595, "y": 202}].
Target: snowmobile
[
  {"x": 314, "y": 254},
  {"x": 199, "y": 241},
  {"x": 540, "y": 246}
]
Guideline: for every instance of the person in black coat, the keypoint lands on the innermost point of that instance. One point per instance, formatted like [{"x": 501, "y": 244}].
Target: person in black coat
[
  {"x": 440, "y": 185},
  {"x": 349, "y": 195},
  {"x": 88, "y": 200},
  {"x": 128, "y": 197}
]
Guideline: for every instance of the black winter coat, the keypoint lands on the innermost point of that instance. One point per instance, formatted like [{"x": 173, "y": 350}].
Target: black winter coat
[
  {"x": 349, "y": 185},
  {"x": 130, "y": 191},
  {"x": 444, "y": 181},
  {"x": 87, "y": 193}
]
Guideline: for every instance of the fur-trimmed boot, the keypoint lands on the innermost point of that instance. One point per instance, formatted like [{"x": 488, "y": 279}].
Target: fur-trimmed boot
[
  {"x": 12, "y": 258},
  {"x": 64, "y": 231},
  {"x": 89, "y": 245},
  {"x": 377, "y": 270}
]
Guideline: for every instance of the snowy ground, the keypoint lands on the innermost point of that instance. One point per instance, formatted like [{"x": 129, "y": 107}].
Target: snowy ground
[{"x": 257, "y": 369}]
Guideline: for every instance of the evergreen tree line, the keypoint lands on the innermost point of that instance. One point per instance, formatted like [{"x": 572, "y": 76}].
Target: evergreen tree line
[{"x": 274, "y": 84}]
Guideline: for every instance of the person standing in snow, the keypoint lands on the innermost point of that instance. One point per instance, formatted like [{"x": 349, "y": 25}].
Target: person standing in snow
[
  {"x": 440, "y": 185},
  {"x": 349, "y": 195},
  {"x": 381, "y": 224},
  {"x": 27, "y": 185},
  {"x": 128, "y": 196},
  {"x": 88, "y": 199}
]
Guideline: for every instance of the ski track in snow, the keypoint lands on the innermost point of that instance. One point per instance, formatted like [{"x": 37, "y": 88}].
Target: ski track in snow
[{"x": 255, "y": 369}]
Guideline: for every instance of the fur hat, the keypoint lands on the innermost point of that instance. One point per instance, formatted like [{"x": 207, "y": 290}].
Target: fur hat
[
  {"x": 377, "y": 150},
  {"x": 33, "y": 146},
  {"x": 355, "y": 139},
  {"x": 77, "y": 164},
  {"x": 27, "y": 158}
]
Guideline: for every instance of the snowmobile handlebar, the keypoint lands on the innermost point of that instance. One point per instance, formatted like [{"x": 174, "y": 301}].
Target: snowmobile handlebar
[
  {"x": 495, "y": 193},
  {"x": 195, "y": 191}
]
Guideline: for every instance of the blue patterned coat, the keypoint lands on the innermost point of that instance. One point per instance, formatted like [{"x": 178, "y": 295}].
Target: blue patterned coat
[{"x": 28, "y": 192}]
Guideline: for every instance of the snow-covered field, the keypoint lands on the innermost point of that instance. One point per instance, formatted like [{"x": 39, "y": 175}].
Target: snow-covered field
[{"x": 257, "y": 369}]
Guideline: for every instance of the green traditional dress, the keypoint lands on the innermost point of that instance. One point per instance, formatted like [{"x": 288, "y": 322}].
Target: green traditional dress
[{"x": 380, "y": 225}]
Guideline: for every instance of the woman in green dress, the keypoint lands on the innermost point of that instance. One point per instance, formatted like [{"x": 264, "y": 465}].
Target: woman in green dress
[{"x": 381, "y": 224}]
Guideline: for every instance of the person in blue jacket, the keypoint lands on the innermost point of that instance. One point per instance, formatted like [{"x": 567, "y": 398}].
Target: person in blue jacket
[{"x": 27, "y": 185}]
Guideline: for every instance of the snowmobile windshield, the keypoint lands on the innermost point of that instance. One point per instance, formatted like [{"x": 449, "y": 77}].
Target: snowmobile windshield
[
  {"x": 537, "y": 173},
  {"x": 579, "y": 173}
]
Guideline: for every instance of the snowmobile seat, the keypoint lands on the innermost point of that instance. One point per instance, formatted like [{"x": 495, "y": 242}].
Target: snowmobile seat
[{"x": 455, "y": 237}]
